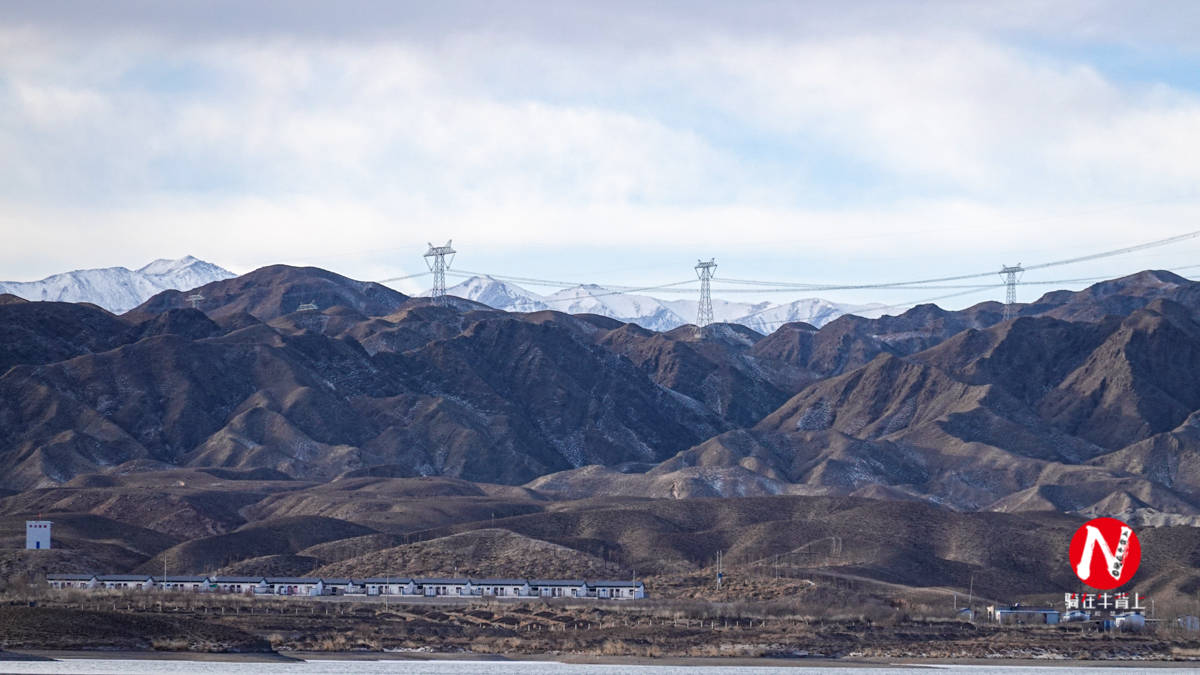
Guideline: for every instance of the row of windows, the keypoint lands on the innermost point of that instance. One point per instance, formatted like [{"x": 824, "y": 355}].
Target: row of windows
[{"x": 297, "y": 590}]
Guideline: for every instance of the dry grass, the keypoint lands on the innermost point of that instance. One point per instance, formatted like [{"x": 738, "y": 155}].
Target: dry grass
[{"x": 642, "y": 628}]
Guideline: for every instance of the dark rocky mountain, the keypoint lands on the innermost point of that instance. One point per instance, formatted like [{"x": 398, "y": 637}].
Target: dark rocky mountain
[
  {"x": 1117, "y": 297},
  {"x": 483, "y": 395},
  {"x": 720, "y": 371},
  {"x": 44, "y": 332},
  {"x": 1018, "y": 415},
  {"x": 381, "y": 431},
  {"x": 850, "y": 341},
  {"x": 270, "y": 292},
  {"x": 1081, "y": 404}
]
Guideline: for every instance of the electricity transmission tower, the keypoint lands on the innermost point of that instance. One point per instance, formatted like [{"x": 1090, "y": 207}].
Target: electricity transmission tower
[
  {"x": 1010, "y": 275},
  {"x": 435, "y": 258},
  {"x": 195, "y": 299},
  {"x": 704, "y": 313}
]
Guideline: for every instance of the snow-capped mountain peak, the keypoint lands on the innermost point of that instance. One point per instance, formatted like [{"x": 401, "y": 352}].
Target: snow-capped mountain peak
[
  {"x": 168, "y": 266},
  {"x": 643, "y": 310},
  {"x": 119, "y": 289},
  {"x": 650, "y": 312},
  {"x": 814, "y": 311},
  {"x": 184, "y": 273},
  {"x": 498, "y": 294}
]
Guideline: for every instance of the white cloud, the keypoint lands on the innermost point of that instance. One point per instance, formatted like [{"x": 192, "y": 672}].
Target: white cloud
[
  {"x": 979, "y": 117},
  {"x": 54, "y": 105},
  {"x": 248, "y": 151}
]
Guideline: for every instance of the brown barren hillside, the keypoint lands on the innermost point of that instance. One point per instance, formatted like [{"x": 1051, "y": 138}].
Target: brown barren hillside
[{"x": 495, "y": 553}]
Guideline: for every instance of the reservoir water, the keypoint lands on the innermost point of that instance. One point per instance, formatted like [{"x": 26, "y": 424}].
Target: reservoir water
[{"x": 406, "y": 667}]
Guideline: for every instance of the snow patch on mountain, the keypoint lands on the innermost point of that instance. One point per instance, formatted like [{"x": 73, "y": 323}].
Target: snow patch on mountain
[
  {"x": 813, "y": 311},
  {"x": 498, "y": 295},
  {"x": 653, "y": 313},
  {"x": 643, "y": 310},
  {"x": 119, "y": 289}
]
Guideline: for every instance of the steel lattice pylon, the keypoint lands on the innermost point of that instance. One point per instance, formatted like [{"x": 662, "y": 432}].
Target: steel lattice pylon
[
  {"x": 1011, "y": 276},
  {"x": 704, "y": 312},
  {"x": 435, "y": 258}
]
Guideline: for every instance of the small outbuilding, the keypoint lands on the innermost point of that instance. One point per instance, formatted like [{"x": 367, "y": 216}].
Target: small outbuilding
[
  {"x": 1021, "y": 615},
  {"x": 37, "y": 534},
  {"x": 1133, "y": 621}
]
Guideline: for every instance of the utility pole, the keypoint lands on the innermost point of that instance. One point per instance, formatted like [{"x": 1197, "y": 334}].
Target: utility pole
[
  {"x": 719, "y": 574},
  {"x": 1010, "y": 275},
  {"x": 704, "y": 312},
  {"x": 435, "y": 258},
  {"x": 195, "y": 299},
  {"x": 971, "y": 597}
]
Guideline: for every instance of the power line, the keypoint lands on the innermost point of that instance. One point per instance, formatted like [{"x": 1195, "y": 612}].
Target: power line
[
  {"x": 609, "y": 290},
  {"x": 439, "y": 268},
  {"x": 526, "y": 280},
  {"x": 624, "y": 292},
  {"x": 464, "y": 274},
  {"x": 1119, "y": 251},
  {"x": 961, "y": 277},
  {"x": 802, "y": 286},
  {"x": 886, "y": 288},
  {"x": 875, "y": 308},
  {"x": 542, "y": 282},
  {"x": 407, "y": 276},
  {"x": 673, "y": 286},
  {"x": 1051, "y": 282}
]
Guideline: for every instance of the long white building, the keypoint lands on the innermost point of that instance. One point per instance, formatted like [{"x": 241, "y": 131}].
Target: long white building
[{"x": 372, "y": 586}]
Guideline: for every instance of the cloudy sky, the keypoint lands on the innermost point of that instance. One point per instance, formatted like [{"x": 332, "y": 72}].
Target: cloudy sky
[{"x": 610, "y": 142}]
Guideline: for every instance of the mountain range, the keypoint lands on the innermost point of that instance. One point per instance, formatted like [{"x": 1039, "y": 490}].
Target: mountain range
[
  {"x": 1086, "y": 402},
  {"x": 298, "y": 420},
  {"x": 118, "y": 289},
  {"x": 653, "y": 313}
]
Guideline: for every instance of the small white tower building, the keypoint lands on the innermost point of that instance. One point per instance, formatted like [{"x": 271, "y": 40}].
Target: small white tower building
[{"x": 37, "y": 534}]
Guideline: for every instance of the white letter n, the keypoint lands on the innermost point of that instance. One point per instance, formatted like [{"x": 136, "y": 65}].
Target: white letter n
[{"x": 1113, "y": 562}]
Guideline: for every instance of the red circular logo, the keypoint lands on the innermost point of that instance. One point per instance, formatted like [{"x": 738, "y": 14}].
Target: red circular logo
[{"x": 1105, "y": 553}]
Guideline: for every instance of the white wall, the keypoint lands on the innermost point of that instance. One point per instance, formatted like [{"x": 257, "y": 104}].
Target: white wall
[{"x": 37, "y": 534}]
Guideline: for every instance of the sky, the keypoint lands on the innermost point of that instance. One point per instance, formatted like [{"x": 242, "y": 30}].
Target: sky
[{"x": 607, "y": 142}]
